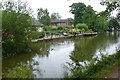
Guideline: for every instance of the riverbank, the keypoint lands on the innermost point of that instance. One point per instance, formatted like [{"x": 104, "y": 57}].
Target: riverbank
[
  {"x": 59, "y": 37},
  {"x": 112, "y": 71},
  {"x": 57, "y": 52},
  {"x": 104, "y": 68}
]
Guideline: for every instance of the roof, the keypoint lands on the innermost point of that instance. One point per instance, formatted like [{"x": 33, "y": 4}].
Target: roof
[{"x": 61, "y": 20}]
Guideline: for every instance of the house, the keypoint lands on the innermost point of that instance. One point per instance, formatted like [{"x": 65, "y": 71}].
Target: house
[
  {"x": 37, "y": 25},
  {"x": 61, "y": 22}
]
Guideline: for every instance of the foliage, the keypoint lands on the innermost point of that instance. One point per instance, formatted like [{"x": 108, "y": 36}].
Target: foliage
[
  {"x": 50, "y": 28},
  {"x": 77, "y": 9},
  {"x": 90, "y": 70},
  {"x": 17, "y": 7},
  {"x": 71, "y": 21},
  {"x": 43, "y": 16},
  {"x": 82, "y": 26},
  {"x": 89, "y": 17},
  {"x": 55, "y": 16},
  {"x": 62, "y": 28},
  {"x": 113, "y": 23},
  {"x": 89, "y": 31},
  {"x": 118, "y": 17},
  {"x": 100, "y": 24},
  {"x": 36, "y": 34},
  {"x": 111, "y": 5},
  {"x": 86, "y": 14},
  {"x": 21, "y": 71},
  {"x": 16, "y": 29}
]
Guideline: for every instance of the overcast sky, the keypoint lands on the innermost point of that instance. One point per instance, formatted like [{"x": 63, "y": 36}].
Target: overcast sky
[{"x": 62, "y": 6}]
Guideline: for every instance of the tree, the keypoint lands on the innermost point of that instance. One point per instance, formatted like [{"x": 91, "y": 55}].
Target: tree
[
  {"x": 77, "y": 9},
  {"x": 71, "y": 21},
  {"x": 16, "y": 29},
  {"x": 100, "y": 24},
  {"x": 82, "y": 26},
  {"x": 113, "y": 23},
  {"x": 118, "y": 19},
  {"x": 18, "y": 7},
  {"x": 55, "y": 16},
  {"x": 43, "y": 16},
  {"x": 111, "y": 4},
  {"x": 89, "y": 16}
]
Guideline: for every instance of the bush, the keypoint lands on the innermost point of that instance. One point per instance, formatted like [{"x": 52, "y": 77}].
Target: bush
[
  {"x": 93, "y": 69},
  {"x": 36, "y": 35},
  {"x": 49, "y": 28},
  {"x": 89, "y": 31},
  {"x": 82, "y": 26},
  {"x": 16, "y": 28},
  {"x": 21, "y": 71},
  {"x": 113, "y": 23},
  {"x": 61, "y": 28}
]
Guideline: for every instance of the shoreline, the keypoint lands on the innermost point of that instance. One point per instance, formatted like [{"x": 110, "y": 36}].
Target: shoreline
[{"x": 59, "y": 37}]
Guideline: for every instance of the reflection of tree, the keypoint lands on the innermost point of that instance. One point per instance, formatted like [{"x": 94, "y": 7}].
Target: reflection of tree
[
  {"x": 84, "y": 65},
  {"x": 85, "y": 48},
  {"x": 14, "y": 60},
  {"x": 42, "y": 50}
]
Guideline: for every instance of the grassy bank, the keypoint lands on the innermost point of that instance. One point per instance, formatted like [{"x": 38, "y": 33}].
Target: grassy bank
[
  {"x": 20, "y": 71},
  {"x": 104, "y": 72},
  {"x": 98, "y": 70}
]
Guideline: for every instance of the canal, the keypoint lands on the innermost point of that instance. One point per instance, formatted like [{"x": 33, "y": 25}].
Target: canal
[{"x": 53, "y": 57}]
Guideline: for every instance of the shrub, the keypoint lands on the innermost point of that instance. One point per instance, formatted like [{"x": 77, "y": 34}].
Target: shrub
[
  {"x": 89, "y": 31},
  {"x": 36, "y": 35},
  {"x": 61, "y": 28},
  {"x": 49, "y": 28},
  {"x": 82, "y": 26},
  {"x": 21, "y": 71},
  {"x": 16, "y": 29},
  {"x": 93, "y": 69}
]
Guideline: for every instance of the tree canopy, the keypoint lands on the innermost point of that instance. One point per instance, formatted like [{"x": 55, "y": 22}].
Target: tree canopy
[
  {"x": 89, "y": 16},
  {"x": 71, "y": 21},
  {"x": 16, "y": 29},
  {"x": 86, "y": 14},
  {"x": 43, "y": 16},
  {"x": 77, "y": 9},
  {"x": 55, "y": 16}
]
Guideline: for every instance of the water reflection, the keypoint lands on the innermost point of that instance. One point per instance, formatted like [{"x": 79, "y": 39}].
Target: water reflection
[
  {"x": 109, "y": 50},
  {"x": 53, "y": 65},
  {"x": 90, "y": 50},
  {"x": 53, "y": 57}
]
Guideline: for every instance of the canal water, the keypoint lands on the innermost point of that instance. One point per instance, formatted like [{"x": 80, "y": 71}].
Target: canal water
[{"x": 53, "y": 57}]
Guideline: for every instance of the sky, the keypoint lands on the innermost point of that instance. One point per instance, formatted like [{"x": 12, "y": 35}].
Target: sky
[{"x": 62, "y": 6}]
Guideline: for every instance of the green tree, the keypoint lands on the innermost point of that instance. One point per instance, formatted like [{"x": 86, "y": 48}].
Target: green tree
[
  {"x": 118, "y": 19},
  {"x": 16, "y": 29},
  {"x": 71, "y": 21},
  {"x": 100, "y": 23},
  {"x": 78, "y": 10},
  {"x": 43, "y": 16},
  {"x": 82, "y": 26},
  {"x": 111, "y": 4},
  {"x": 113, "y": 23},
  {"x": 89, "y": 16},
  {"x": 55, "y": 16}
]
